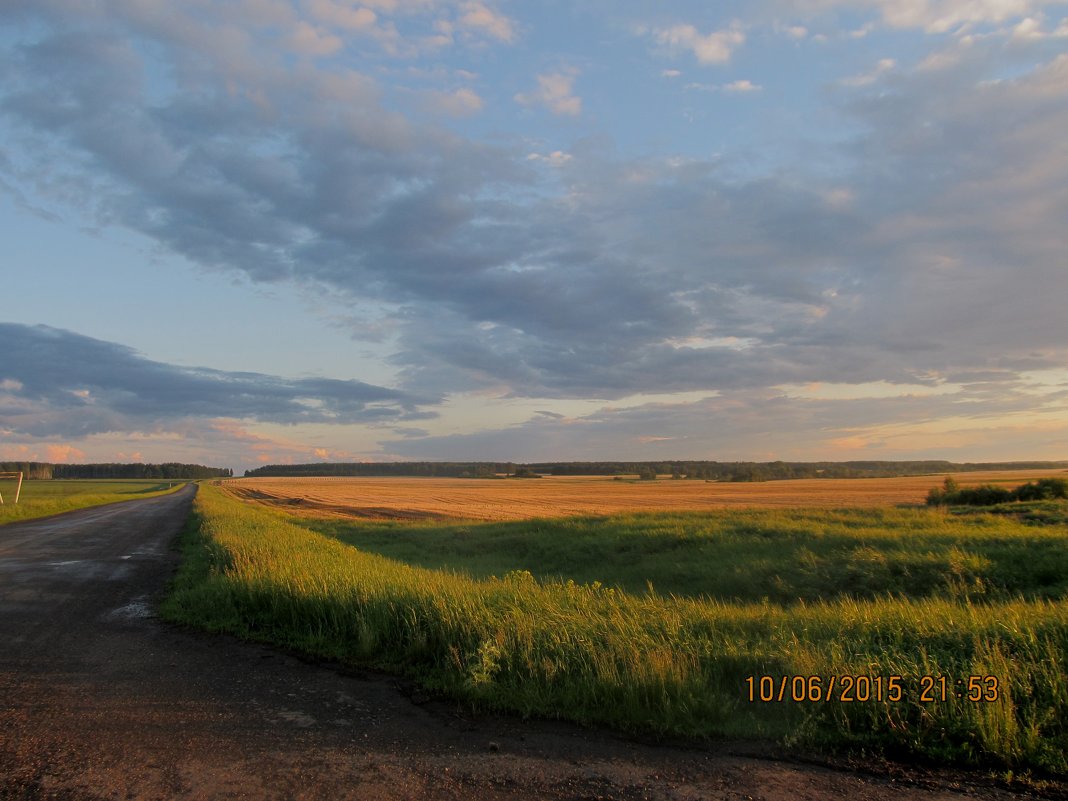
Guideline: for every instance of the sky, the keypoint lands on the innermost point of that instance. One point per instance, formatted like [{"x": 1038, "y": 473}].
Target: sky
[{"x": 267, "y": 231}]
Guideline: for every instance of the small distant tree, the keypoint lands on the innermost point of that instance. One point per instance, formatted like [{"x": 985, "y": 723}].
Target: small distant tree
[
  {"x": 945, "y": 495},
  {"x": 646, "y": 473}
]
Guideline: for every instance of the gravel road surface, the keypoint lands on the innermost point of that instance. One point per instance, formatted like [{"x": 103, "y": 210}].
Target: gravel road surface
[{"x": 99, "y": 700}]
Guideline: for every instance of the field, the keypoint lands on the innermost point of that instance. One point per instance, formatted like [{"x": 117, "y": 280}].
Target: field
[
  {"x": 519, "y": 499},
  {"x": 743, "y": 622},
  {"x": 43, "y": 498}
]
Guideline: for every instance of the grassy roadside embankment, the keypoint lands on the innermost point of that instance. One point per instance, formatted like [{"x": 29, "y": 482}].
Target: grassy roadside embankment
[
  {"x": 43, "y": 498},
  {"x": 984, "y": 605}
]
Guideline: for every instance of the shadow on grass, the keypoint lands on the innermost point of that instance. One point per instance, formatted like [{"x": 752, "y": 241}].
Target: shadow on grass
[{"x": 753, "y": 555}]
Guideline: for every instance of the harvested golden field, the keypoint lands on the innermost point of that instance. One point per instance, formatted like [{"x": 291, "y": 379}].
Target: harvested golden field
[{"x": 517, "y": 499}]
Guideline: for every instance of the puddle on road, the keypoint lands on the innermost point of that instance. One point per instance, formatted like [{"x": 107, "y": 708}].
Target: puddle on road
[{"x": 137, "y": 609}]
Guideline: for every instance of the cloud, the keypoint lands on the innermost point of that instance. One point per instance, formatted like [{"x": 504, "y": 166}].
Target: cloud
[
  {"x": 480, "y": 17},
  {"x": 59, "y": 383},
  {"x": 939, "y": 16},
  {"x": 63, "y": 453},
  {"x": 462, "y": 102},
  {"x": 605, "y": 277},
  {"x": 968, "y": 424},
  {"x": 220, "y": 442},
  {"x": 882, "y": 67},
  {"x": 554, "y": 92},
  {"x": 343, "y": 14},
  {"x": 311, "y": 41},
  {"x": 934, "y": 17},
  {"x": 405, "y": 29},
  {"x": 734, "y": 87},
  {"x": 711, "y": 48},
  {"x": 232, "y": 440},
  {"x": 557, "y": 158},
  {"x": 742, "y": 86}
]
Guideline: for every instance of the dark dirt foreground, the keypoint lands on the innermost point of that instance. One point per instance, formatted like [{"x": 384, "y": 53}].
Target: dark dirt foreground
[{"x": 99, "y": 700}]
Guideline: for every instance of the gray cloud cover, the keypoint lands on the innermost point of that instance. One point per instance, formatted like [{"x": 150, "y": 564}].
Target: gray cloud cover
[
  {"x": 56, "y": 383},
  {"x": 930, "y": 244},
  {"x": 968, "y": 424}
]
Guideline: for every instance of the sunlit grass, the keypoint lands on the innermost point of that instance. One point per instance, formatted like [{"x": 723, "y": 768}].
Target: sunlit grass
[
  {"x": 647, "y": 661},
  {"x": 41, "y": 498}
]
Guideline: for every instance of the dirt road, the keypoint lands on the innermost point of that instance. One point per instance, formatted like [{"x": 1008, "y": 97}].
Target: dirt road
[{"x": 99, "y": 700}]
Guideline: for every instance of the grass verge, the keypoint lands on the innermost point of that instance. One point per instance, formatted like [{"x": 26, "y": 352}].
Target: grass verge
[
  {"x": 45, "y": 498},
  {"x": 644, "y": 662}
]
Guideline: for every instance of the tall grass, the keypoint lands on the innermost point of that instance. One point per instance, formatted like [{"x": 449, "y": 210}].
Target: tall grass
[
  {"x": 640, "y": 662},
  {"x": 41, "y": 498},
  {"x": 752, "y": 554}
]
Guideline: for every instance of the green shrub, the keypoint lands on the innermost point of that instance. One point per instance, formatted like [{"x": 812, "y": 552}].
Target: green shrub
[{"x": 1045, "y": 489}]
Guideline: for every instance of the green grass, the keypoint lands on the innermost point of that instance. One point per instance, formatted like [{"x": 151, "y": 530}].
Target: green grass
[
  {"x": 646, "y": 661},
  {"x": 44, "y": 498},
  {"x": 749, "y": 555}
]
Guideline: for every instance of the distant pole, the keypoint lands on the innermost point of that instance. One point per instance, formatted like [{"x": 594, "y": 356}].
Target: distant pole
[{"x": 18, "y": 489}]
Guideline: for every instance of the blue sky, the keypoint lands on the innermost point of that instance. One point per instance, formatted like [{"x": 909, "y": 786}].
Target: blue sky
[{"x": 270, "y": 231}]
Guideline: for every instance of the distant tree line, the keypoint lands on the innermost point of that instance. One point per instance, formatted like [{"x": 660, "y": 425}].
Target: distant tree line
[
  {"x": 706, "y": 470},
  {"x": 428, "y": 469},
  {"x": 169, "y": 470}
]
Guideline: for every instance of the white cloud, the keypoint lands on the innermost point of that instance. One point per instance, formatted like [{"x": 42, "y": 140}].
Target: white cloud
[
  {"x": 311, "y": 41},
  {"x": 742, "y": 86},
  {"x": 460, "y": 103},
  {"x": 426, "y": 25},
  {"x": 555, "y": 93},
  {"x": 735, "y": 87},
  {"x": 557, "y": 158},
  {"x": 883, "y": 66},
  {"x": 793, "y": 31},
  {"x": 343, "y": 14},
  {"x": 941, "y": 16},
  {"x": 710, "y": 48},
  {"x": 936, "y": 17},
  {"x": 945, "y": 58},
  {"x": 1032, "y": 29},
  {"x": 670, "y": 73},
  {"x": 480, "y": 17}
]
